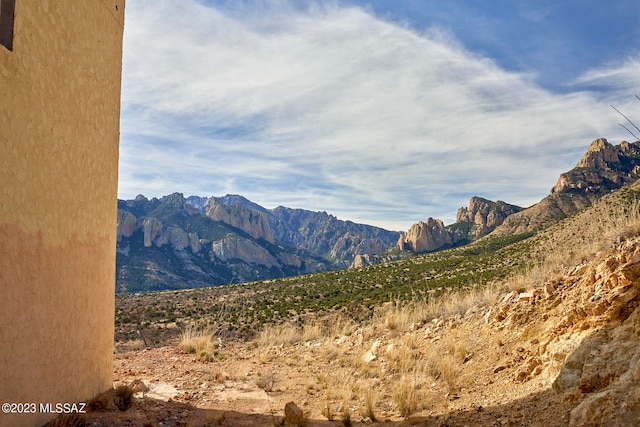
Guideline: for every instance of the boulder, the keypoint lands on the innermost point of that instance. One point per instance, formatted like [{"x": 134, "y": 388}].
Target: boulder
[{"x": 293, "y": 415}]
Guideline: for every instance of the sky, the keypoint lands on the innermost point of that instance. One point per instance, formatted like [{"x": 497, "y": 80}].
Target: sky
[{"x": 383, "y": 112}]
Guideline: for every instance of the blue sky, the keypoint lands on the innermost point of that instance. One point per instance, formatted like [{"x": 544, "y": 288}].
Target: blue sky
[{"x": 381, "y": 112}]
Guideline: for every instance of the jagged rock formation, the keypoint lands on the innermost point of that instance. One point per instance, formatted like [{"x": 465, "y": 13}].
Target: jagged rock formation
[
  {"x": 126, "y": 224},
  {"x": 174, "y": 243},
  {"x": 603, "y": 168},
  {"x": 479, "y": 219},
  {"x": 427, "y": 236},
  {"x": 485, "y": 215},
  {"x": 252, "y": 222},
  {"x": 326, "y": 235}
]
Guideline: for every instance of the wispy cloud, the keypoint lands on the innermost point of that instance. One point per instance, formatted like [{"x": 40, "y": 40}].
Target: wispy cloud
[{"x": 328, "y": 107}]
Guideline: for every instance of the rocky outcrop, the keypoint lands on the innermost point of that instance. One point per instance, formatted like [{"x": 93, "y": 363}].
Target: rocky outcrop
[
  {"x": 150, "y": 227},
  {"x": 178, "y": 239},
  {"x": 479, "y": 219},
  {"x": 603, "y": 168},
  {"x": 252, "y": 222},
  {"x": 126, "y": 224},
  {"x": 600, "y": 155},
  {"x": 361, "y": 261},
  {"x": 486, "y": 213},
  {"x": 324, "y": 234},
  {"x": 427, "y": 237},
  {"x": 234, "y": 247},
  {"x": 583, "y": 335},
  {"x": 484, "y": 216}
]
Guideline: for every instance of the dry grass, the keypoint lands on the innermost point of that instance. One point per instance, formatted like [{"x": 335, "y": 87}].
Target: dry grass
[
  {"x": 199, "y": 342},
  {"x": 273, "y": 336},
  {"x": 332, "y": 326},
  {"x": 406, "y": 397},
  {"x": 623, "y": 226},
  {"x": 327, "y": 408},
  {"x": 195, "y": 340},
  {"x": 368, "y": 408},
  {"x": 448, "y": 371},
  {"x": 409, "y": 368}
]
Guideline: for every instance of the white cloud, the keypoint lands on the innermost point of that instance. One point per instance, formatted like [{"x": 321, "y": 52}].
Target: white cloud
[{"x": 330, "y": 108}]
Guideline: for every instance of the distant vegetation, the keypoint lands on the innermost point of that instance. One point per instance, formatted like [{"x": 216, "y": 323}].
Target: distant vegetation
[
  {"x": 242, "y": 310},
  {"x": 508, "y": 259}
]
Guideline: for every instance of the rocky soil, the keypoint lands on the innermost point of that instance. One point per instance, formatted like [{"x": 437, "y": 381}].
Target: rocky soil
[{"x": 565, "y": 351}]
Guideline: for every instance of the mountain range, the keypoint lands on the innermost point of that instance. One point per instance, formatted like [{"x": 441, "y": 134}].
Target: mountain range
[{"x": 176, "y": 243}]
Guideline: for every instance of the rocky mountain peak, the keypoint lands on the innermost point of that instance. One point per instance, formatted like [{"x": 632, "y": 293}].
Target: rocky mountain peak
[
  {"x": 603, "y": 167},
  {"x": 426, "y": 236},
  {"x": 197, "y": 202},
  {"x": 600, "y": 154},
  {"x": 235, "y": 199},
  {"x": 175, "y": 200},
  {"x": 486, "y": 213}
]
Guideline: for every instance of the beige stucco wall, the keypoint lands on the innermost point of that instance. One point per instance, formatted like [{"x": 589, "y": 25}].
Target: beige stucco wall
[{"x": 59, "y": 131}]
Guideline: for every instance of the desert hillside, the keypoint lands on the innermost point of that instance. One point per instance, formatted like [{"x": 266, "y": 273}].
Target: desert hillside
[{"x": 554, "y": 342}]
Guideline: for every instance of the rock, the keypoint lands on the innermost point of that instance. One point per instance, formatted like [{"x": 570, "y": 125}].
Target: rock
[
  {"x": 601, "y": 166},
  {"x": 322, "y": 233},
  {"x": 361, "y": 261},
  {"x": 370, "y": 355},
  {"x": 426, "y": 237},
  {"x": 150, "y": 227},
  {"x": 631, "y": 271},
  {"x": 600, "y": 154},
  {"x": 548, "y": 289},
  {"x": 293, "y": 415},
  {"x": 138, "y": 386},
  {"x": 525, "y": 296},
  {"x": 237, "y": 247},
  {"x": 126, "y": 224},
  {"x": 252, "y": 222},
  {"x": 486, "y": 213},
  {"x": 177, "y": 237}
]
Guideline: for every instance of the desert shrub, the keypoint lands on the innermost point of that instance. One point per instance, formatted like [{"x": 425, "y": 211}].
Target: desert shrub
[
  {"x": 267, "y": 381},
  {"x": 123, "y": 397},
  {"x": 368, "y": 408},
  {"x": 406, "y": 398}
]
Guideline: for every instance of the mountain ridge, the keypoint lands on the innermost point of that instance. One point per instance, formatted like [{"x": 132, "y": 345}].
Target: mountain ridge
[
  {"x": 203, "y": 241},
  {"x": 176, "y": 242},
  {"x": 603, "y": 167}
]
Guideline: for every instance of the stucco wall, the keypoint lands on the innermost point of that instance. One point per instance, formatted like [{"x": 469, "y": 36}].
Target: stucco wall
[{"x": 59, "y": 131}]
